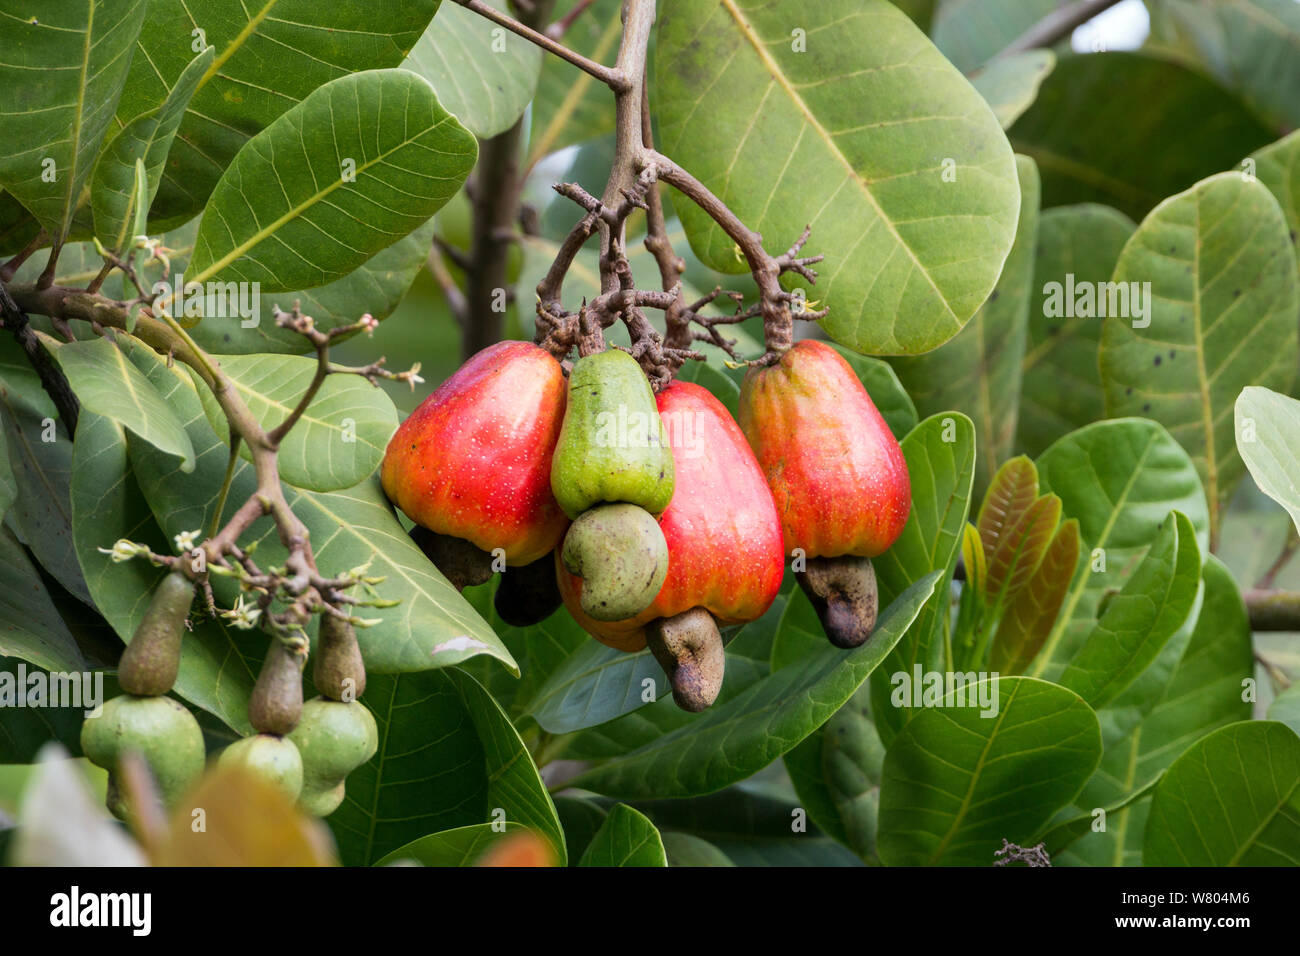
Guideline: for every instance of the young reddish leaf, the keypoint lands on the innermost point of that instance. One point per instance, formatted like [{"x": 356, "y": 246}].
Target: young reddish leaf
[
  {"x": 1020, "y": 550},
  {"x": 1030, "y": 614},
  {"x": 1011, "y": 493}
]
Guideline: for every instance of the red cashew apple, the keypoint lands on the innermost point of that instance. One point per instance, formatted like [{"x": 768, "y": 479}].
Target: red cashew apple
[
  {"x": 473, "y": 462},
  {"x": 723, "y": 534},
  {"x": 837, "y": 475}
]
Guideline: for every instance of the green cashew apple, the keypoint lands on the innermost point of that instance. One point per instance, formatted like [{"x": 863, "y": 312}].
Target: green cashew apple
[
  {"x": 160, "y": 729},
  {"x": 612, "y": 445},
  {"x": 333, "y": 738},
  {"x": 275, "y": 759},
  {"x": 151, "y": 661},
  {"x": 621, "y": 555}
]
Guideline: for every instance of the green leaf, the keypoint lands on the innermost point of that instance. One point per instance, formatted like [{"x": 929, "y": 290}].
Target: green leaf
[
  {"x": 1086, "y": 154},
  {"x": 219, "y": 664},
  {"x": 1030, "y": 615},
  {"x": 51, "y": 137},
  {"x": 957, "y": 781},
  {"x": 462, "y": 846},
  {"x": 1233, "y": 799},
  {"x": 1216, "y": 321},
  {"x": 1010, "y": 83},
  {"x": 685, "y": 849},
  {"x": 106, "y": 382},
  {"x": 886, "y": 391},
  {"x": 626, "y": 838},
  {"x": 1067, "y": 833},
  {"x": 751, "y": 729},
  {"x": 484, "y": 75},
  {"x": 432, "y": 626},
  {"x": 751, "y": 114},
  {"x": 1061, "y": 388},
  {"x": 473, "y": 769},
  {"x": 979, "y": 370},
  {"x": 1252, "y": 47},
  {"x": 341, "y": 437},
  {"x": 571, "y": 105},
  {"x": 1286, "y": 708},
  {"x": 17, "y": 226},
  {"x": 26, "y": 729},
  {"x": 314, "y": 195},
  {"x": 1206, "y": 691},
  {"x": 40, "y": 456},
  {"x": 593, "y": 685},
  {"x": 270, "y": 55},
  {"x": 147, "y": 139},
  {"x": 972, "y": 32},
  {"x": 1137, "y": 621},
  {"x": 1278, "y": 167},
  {"x": 30, "y": 626},
  {"x": 1120, "y": 478},
  {"x": 940, "y": 455},
  {"x": 1268, "y": 439}
]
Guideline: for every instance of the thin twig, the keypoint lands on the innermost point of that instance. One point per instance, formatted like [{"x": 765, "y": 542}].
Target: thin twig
[
  {"x": 1056, "y": 26},
  {"x": 52, "y": 378},
  {"x": 610, "y": 77}
]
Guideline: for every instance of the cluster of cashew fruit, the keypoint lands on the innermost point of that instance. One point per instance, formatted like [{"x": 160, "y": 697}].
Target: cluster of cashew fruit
[
  {"x": 305, "y": 749},
  {"x": 654, "y": 518}
]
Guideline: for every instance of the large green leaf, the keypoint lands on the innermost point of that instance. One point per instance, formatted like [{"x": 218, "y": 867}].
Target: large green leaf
[
  {"x": 572, "y": 106},
  {"x": 17, "y": 226},
  {"x": 360, "y": 163},
  {"x": 147, "y": 138},
  {"x": 979, "y": 369},
  {"x": 26, "y": 729},
  {"x": 855, "y": 135},
  {"x": 30, "y": 626},
  {"x": 270, "y": 55},
  {"x": 106, "y": 382},
  {"x": 448, "y": 757},
  {"x": 1140, "y": 618},
  {"x": 626, "y": 838},
  {"x": 1086, "y": 154},
  {"x": 595, "y": 684},
  {"x": 940, "y": 454},
  {"x": 1251, "y": 46},
  {"x": 1268, "y": 439},
  {"x": 745, "y": 733},
  {"x": 432, "y": 626},
  {"x": 971, "y": 32},
  {"x": 1120, "y": 478},
  {"x": 1233, "y": 799},
  {"x": 1010, "y": 83},
  {"x": 1286, "y": 708},
  {"x": 484, "y": 74},
  {"x": 958, "y": 780},
  {"x": 1061, "y": 388},
  {"x": 461, "y": 846},
  {"x": 62, "y": 74},
  {"x": 1216, "y": 320},
  {"x": 1206, "y": 692},
  {"x": 341, "y": 437},
  {"x": 218, "y": 663},
  {"x": 1278, "y": 167}
]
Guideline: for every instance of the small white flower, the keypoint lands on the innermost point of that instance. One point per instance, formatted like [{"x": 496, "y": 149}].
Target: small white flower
[
  {"x": 368, "y": 323},
  {"x": 186, "y": 540},
  {"x": 242, "y": 616},
  {"x": 124, "y": 550}
]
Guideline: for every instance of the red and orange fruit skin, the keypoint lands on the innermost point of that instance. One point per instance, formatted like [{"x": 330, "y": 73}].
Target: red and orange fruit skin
[
  {"x": 837, "y": 474},
  {"x": 723, "y": 534},
  {"x": 474, "y": 459}
]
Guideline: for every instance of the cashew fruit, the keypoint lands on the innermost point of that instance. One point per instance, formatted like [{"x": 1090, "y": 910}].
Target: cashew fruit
[
  {"x": 276, "y": 701},
  {"x": 151, "y": 661},
  {"x": 275, "y": 759},
  {"x": 473, "y": 461},
  {"x": 333, "y": 738},
  {"x": 160, "y": 729},
  {"x": 612, "y": 446},
  {"x": 688, "y": 646},
  {"x": 338, "y": 671},
  {"x": 528, "y": 594},
  {"x": 620, "y": 553},
  {"x": 722, "y": 530}
]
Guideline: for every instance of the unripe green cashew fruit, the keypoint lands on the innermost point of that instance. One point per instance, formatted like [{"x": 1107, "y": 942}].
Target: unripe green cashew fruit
[
  {"x": 620, "y": 553},
  {"x": 612, "y": 447},
  {"x": 474, "y": 460},
  {"x": 274, "y": 759},
  {"x": 160, "y": 729},
  {"x": 276, "y": 701},
  {"x": 723, "y": 534},
  {"x": 837, "y": 475},
  {"x": 333, "y": 739},
  {"x": 151, "y": 661},
  {"x": 338, "y": 671}
]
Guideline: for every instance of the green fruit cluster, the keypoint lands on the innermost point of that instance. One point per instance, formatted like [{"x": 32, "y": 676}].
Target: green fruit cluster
[{"x": 613, "y": 474}]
